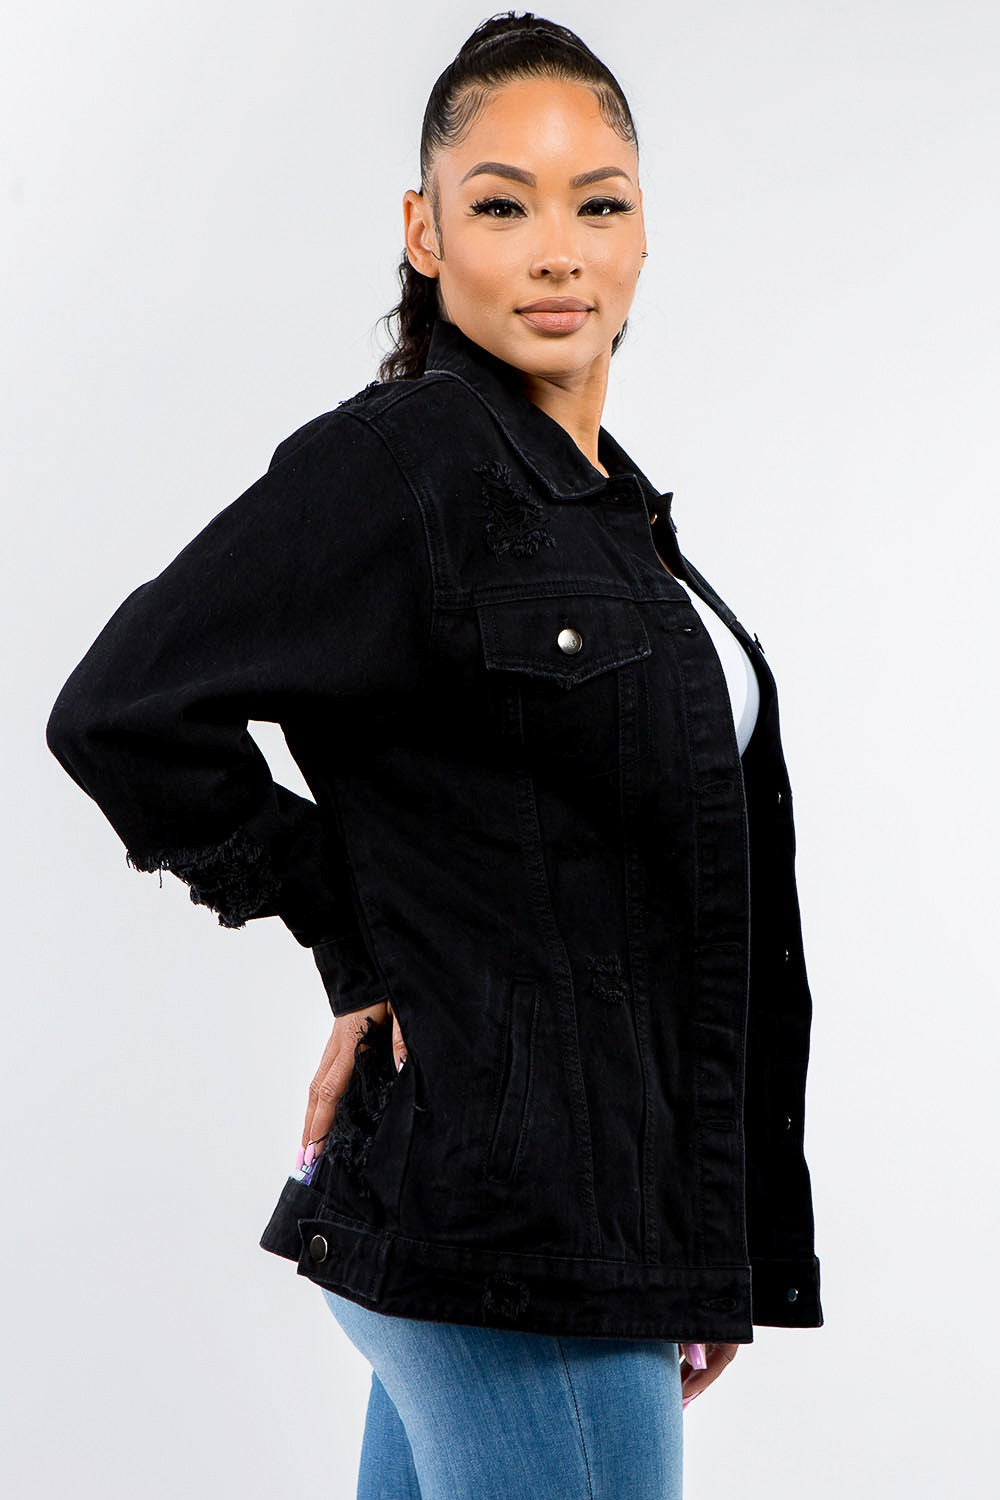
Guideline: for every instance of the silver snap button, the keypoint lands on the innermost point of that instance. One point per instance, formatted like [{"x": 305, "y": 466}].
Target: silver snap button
[
  {"x": 792, "y": 1294},
  {"x": 318, "y": 1248},
  {"x": 570, "y": 640}
]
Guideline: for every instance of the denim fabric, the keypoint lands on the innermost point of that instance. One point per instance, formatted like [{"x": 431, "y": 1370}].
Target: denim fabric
[
  {"x": 456, "y": 1411},
  {"x": 532, "y": 829}
]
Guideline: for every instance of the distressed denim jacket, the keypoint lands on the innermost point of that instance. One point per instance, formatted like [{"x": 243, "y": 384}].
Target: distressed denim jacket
[{"x": 533, "y": 832}]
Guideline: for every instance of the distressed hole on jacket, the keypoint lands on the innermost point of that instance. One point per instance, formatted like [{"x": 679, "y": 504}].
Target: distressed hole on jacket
[
  {"x": 362, "y": 395},
  {"x": 607, "y": 978},
  {"x": 515, "y": 523},
  {"x": 364, "y": 1101},
  {"x": 233, "y": 878},
  {"x": 504, "y": 1296}
]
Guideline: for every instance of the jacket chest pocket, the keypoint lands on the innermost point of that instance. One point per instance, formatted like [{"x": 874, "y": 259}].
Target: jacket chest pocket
[{"x": 568, "y": 673}]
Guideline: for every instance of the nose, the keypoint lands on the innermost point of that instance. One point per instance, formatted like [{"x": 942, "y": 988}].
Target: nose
[
  {"x": 557, "y": 253},
  {"x": 556, "y": 264}
]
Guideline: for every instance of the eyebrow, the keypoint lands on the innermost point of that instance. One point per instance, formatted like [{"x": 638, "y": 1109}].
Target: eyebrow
[{"x": 516, "y": 174}]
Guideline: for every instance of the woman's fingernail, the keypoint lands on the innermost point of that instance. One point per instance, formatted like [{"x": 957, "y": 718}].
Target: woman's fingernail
[
  {"x": 687, "y": 1400},
  {"x": 307, "y": 1160},
  {"x": 696, "y": 1356},
  {"x": 300, "y": 1157},
  {"x": 399, "y": 1063}
]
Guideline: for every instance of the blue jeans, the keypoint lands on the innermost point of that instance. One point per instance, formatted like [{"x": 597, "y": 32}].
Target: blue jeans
[{"x": 458, "y": 1411}]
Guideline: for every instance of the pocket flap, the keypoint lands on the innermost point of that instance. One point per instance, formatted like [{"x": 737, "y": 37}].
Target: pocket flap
[{"x": 567, "y": 638}]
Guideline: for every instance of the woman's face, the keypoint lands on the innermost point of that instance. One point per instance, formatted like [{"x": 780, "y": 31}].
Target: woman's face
[{"x": 507, "y": 242}]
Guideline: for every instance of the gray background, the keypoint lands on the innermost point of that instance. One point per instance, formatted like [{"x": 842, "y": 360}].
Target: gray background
[{"x": 201, "y": 223}]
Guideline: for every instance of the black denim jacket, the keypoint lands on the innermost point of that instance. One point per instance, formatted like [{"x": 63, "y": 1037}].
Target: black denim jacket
[{"x": 532, "y": 830}]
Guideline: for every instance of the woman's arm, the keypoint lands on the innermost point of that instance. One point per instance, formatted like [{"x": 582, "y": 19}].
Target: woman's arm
[{"x": 298, "y": 601}]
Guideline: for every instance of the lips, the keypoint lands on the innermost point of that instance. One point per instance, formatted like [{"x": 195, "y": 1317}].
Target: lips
[
  {"x": 556, "y": 304},
  {"x": 556, "y": 314}
]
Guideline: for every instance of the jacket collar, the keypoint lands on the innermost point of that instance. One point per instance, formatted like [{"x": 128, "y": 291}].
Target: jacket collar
[{"x": 543, "y": 443}]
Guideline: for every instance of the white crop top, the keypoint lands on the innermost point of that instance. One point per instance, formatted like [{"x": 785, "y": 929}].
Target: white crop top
[{"x": 741, "y": 679}]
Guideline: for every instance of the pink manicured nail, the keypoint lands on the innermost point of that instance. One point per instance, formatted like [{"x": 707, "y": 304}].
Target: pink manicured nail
[
  {"x": 687, "y": 1401},
  {"x": 696, "y": 1356},
  {"x": 307, "y": 1160},
  {"x": 300, "y": 1157}
]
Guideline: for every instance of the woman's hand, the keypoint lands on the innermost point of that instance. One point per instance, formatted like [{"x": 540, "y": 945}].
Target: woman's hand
[
  {"x": 698, "y": 1375},
  {"x": 335, "y": 1068}
]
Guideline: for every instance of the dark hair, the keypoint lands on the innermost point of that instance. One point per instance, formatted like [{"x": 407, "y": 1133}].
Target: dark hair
[{"x": 505, "y": 47}]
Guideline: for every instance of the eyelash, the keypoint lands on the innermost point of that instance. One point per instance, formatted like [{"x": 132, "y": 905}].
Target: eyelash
[{"x": 619, "y": 205}]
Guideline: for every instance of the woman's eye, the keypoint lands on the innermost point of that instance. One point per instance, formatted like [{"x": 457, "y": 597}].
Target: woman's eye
[
  {"x": 616, "y": 205},
  {"x": 483, "y": 204}
]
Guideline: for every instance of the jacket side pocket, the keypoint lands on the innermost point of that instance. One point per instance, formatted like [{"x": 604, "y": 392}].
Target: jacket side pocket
[{"x": 514, "y": 1084}]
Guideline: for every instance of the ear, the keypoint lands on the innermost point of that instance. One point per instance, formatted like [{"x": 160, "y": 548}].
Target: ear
[{"x": 418, "y": 231}]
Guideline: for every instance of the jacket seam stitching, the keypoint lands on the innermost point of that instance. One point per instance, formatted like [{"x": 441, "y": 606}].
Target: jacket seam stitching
[
  {"x": 370, "y": 426},
  {"x": 688, "y": 1270}
]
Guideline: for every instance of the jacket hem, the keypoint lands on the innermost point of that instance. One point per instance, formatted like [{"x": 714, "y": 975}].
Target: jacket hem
[{"x": 394, "y": 1274}]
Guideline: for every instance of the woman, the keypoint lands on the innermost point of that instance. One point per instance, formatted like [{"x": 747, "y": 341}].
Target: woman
[{"x": 560, "y": 1113}]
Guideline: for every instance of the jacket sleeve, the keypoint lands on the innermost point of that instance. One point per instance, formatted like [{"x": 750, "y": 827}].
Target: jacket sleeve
[{"x": 297, "y": 603}]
